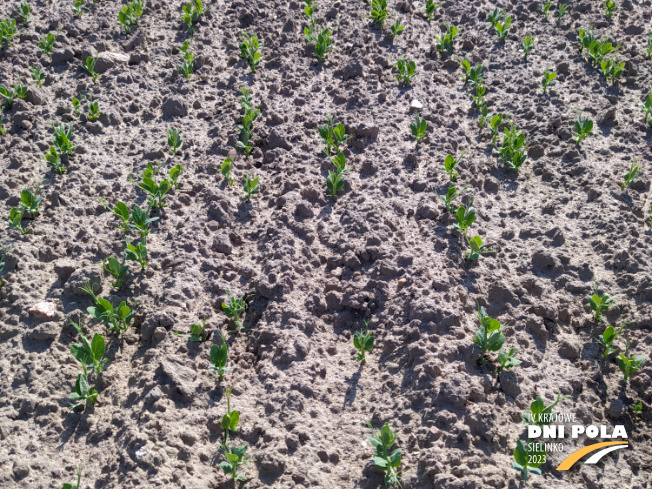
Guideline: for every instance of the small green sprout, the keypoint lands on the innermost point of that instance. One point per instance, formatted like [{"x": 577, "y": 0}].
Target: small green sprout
[
  {"x": 478, "y": 98},
  {"x": 406, "y": 71},
  {"x": 629, "y": 364},
  {"x": 89, "y": 67},
  {"x": 230, "y": 419},
  {"x": 484, "y": 116},
  {"x": 538, "y": 411},
  {"x": 495, "y": 16},
  {"x": 15, "y": 221},
  {"x": 562, "y": 8},
  {"x": 249, "y": 50},
  {"x": 174, "y": 174},
  {"x": 638, "y": 410},
  {"x": 332, "y": 135},
  {"x": 7, "y": 32},
  {"x": 612, "y": 70},
  {"x": 121, "y": 211},
  {"x": 118, "y": 270},
  {"x": 610, "y": 8},
  {"x": 174, "y": 140},
  {"x": 583, "y": 128},
  {"x": 140, "y": 221},
  {"x": 363, "y": 341},
  {"x": 61, "y": 138},
  {"x": 137, "y": 251},
  {"x": 196, "y": 332},
  {"x": 115, "y": 318},
  {"x": 192, "y": 11},
  {"x": 477, "y": 249},
  {"x": 235, "y": 457},
  {"x": 506, "y": 359},
  {"x": 76, "y": 105},
  {"x": 379, "y": 11},
  {"x": 46, "y": 44},
  {"x": 78, "y": 8},
  {"x": 234, "y": 307},
  {"x": 473, "y": 75},
  {"x": 647, "y": 109},
  {"x": 93, "y": 109},
  {"x": 30, "y": 202},
  {"x": 385, "y": 459},
  {"x": 38, "y": 75},
  {"x": 632, "y": 175},
  {"x": 545, "y": 9},
  {"x": 418, "y": 127},
  {"x": 225, "y": 169},
  {"x": 130, "y": 14},
  {"x": 53, "y": 160},
  {"x": 494, "y": 125},
  {"x": 246, "y": 128},
  {"x": 431, "y": 9},
  {"x": 250, "y": 186},
  {"x": 3, "y": 131},
  {"x": 502, "y": 29},
  {"x": 488, "y": 337},
  {"x": 82, "y": 394},
  {"x": 450, "y": 163},
  {"x": 396, "y": 29},
  {"x": 607, "y": 338},
  {"x": 67, "y": 485},
  {"x": 156, "y": 192},
  {"x": 219, "y": 356},
  {"x": 447, "y": 200},
  {"x": 8, "y": 94},
  {"x": 465, "y": 217},
  {"x": 527, "y": 461},
  {"x": 186, "y": 68},
  {"x": 548, "y": 80},
  {"x": 335, "y": 179},
  {"x": 89, "y": 353},
  {"x": 600, "y": 303},
  {"x": 323, "y": 44},
  {"x": 527, "y": 45},
  {"x": 445, "y": 41},
  {"x": 648, "y": 48},
  {"x": 23, "y": 11}
]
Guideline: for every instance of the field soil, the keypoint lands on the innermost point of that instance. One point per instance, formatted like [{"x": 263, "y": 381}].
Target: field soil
[{"x": 314, "y": 268}]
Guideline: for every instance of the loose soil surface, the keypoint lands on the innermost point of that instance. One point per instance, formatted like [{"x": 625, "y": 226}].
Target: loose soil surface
[{"x": 314, "y": 268}]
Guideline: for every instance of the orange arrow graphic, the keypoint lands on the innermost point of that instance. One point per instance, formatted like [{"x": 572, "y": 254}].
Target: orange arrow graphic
[{"x": 578, "y": 454}]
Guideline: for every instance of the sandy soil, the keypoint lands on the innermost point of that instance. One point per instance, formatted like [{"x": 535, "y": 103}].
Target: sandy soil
[{"x": 314, "y": 268}]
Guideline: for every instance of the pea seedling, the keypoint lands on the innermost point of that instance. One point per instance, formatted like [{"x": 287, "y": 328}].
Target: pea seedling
[
  {"x": 78, "y": 8},
  {"x": 600, "y": 303},
  {"x": 488, "y": 337},
  {"x": 137, "y": 251},
  {"x": 484, "y": 116},
  {"x": 250, "y": 186},
  {"x": 632, "y": 175},
  {"x": 638, "y": 410},
  {"x": 15, "y": 221},
  {"x": 323, "y": 44},
  {"x": 122, "y": 212},
  {"x": 8, "y": 94},
  {"x": 506, "y": 359},
  {"x": 219, "y": 356},
  {"x": 335, "y": 179},
  {"x": 117, "y": 270},
  {"x": 494, "y": 125},
  {"x": 629, "y": 364},
  {"x": 192, "y": 11},
  {"x": 607, "y": 338},
  {"x": 548, "y": 80},
  {"x": 363, "y": 341},
  {"x": 648, "y": 49},
  {"x": 174, "y": 140},
  {"x": 465, "y": 216},
  {"x": 611, "y": 70},
  {"x": 89, "y": 353},
  {"x": 647, "y": 108},
  {"x": 527, "y": 45},
  {"x": 62, "y": 137},
  {"x": 93, "y": 109},
  {"x": 23, "y": 11},
  {"x": 30, "y": 202},
  {"x": 545, "y": 9},
  {"x": 196, "y": 332},
  {"x": 234, "y": 459},
  {"x": 249, "y": 50},
  {"x": 246, "y": 128},
  {"x": 610, "y": 8},
  {"x": 230, "y": 419},
  {"x": 187, "y": 67},
  {"x": 473, "y": 75},
  {"x": 447, "y": 200},
  {"x": 450, "y": 163},
  {"x": 129, "y": 15},
  {"x": 562, "y": 8},
  {"x": 89, "y": 67},
  {"x": 115, "y": 318},
  {"x": 385, "y": 459},
  {"x": 406, "y": 71},
  {"x": 76, "y": 105},
  {"x": 225, "y": 169},
  {"x": 379, "y": 11},
  {"x": 67, "y": 485},
  {"x": 7, "y": 32},
  {"x": 431, "y": 9},
  {"x": 396, "y": 29},
  {"x": 477, "y": 249},
  {"x": 418, "y": 127},
  {"x": 513, "y": 149},
  {"x": 478, "y": 98},
  {"x": 502, "y": 29},
  {"x": 538, "y": 410},
  {"x": 445, "y": 41},
  {"x": 234, "y": 307},
  {"x": 140, "y": 220},
  {"x": 332, "y": 135},
  {"x": 82, "y": 394},
  {"x": 3, "y": 131},
  {"x": 527, "y": 462},
  {"x": 495, "y": 16},
  {"x": 156, "y": 192},
  {"x": 38, "y": 75},
  {"x": 46, "y": 44}
]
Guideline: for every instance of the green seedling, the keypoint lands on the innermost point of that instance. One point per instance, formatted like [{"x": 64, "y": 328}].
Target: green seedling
[
  {"x": 612, "y": 70},
  {"x": 406, "y": 71},
  {"x": 502, "y": 29},
  {"x": 137, "y": 251},
  {"x": 418, "y": 127},
  {"x": 192, "y": 11},
  {"x": 379, "y": 11},
  {"x": 67, "y": 485},
  {"x": 629, "y": 364},
  {"x": 538, "y": 411},
  {"x": 7, "y": 32},
  {"x": 478, "y": 98},
  {"x": 246, "y": 128},
  {"x": 484, "y": 117},
  {"x": 53, "y": 160},
  {"x": 62, "y": 138},
  {"x": 527, "y": 461},
  {"x": 447, "y": 200},
  {"x": 333, "y": 135},
  {"x": 82, "y": 394},
  {"x": 514, "y": 148},
  {"x": 545, "y": 9},
  {"x": 632, "y": 175},
  {"x": 78, "y": 8},
  {"x": 130, "y": 14},
  {"x": 495, "y": 16},
  {"x": 396, "y": 29},
  {"x": 600, "y": 303},
  {"x": 548, "y": 80},
  {"x": 89, "y": 353},
  {"x": 450, "y": 163},
  {"x": 16, "y": 220},
  {"x": 122, "y": 212},
  {"x": 140, "y": 221},
  {"x": 186, "y": 68},
  {"x": 3, "y": 256},
  {"x": 494, "y": 126},
  {"x": 196, "y": 332},
  {"x": 431, "y": 9},
  {"x": 46, "y": 44},
  {"x": 610, "y": 8},
  {"x": 234, "y": 307},
  {"x": 335, "y": 178},
  {"x": 477, "y": 249},
  {"x": 30, "y": 202},
  {"x": 473, "y": 75},
  {"x": 118, "y": 270},
  {"x": 250, "y": 186},
  {"x": 597, "y": 51},
  {"x": 638, "y": 410},
  {"x": 562, "y": 8},
  {"x": 235, "y": 458},
  {"x": 585, "y": 37},
  {"x": 309, "y": 34},
  {"x": 38, "y": 75},
  {"x": 23, "y": 11},
  {"x": 583, "y": 128},
  {"x": 323, "y": 44},
  {"x": 527, "y": 45},
  {"x": 649, "y": 44},
  {"x": 175, "y": 173},
  {"x": 225, "y": 169},
  {"x": 607, "y": 338},
  {"x": 465, "y": 216},
  {"x": 76, "y": 105},
  {"x": 647, "y": 109},
  {"x": 249, "y": 50},
  {"x": 174, "y": 140},
  {"x": 93, "y": 109},
  {"x": 3, "y": 131},
  {"x": 445, "y": 41},
  {"x": 115, "y": 318},
  {"x": 156, "y": 192},
  {"x": 488, "y": 337},
  {"x": 363, "y": 341},
  {"x": 8, "y": 94},
  {"x": 230, "y": 419},
  {"x": 219, "y": 356},
  {"x": 506, "y": 359},
  {"x": 89, "y": 67},
  {"x": 385, "y": 459}
]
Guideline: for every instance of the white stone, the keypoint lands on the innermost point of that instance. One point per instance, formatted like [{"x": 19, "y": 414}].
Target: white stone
[
  {"x": 44, "y": 310},
  {"x": 416, "y": 104}
]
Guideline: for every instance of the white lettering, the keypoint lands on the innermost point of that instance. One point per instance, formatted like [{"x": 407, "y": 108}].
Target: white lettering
[
  {"x": 619, "y": 432},
  {"x": 577, "y": 430},
  {"x": 592, "y": 431},
  {"x": 533, "y": 431}
]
